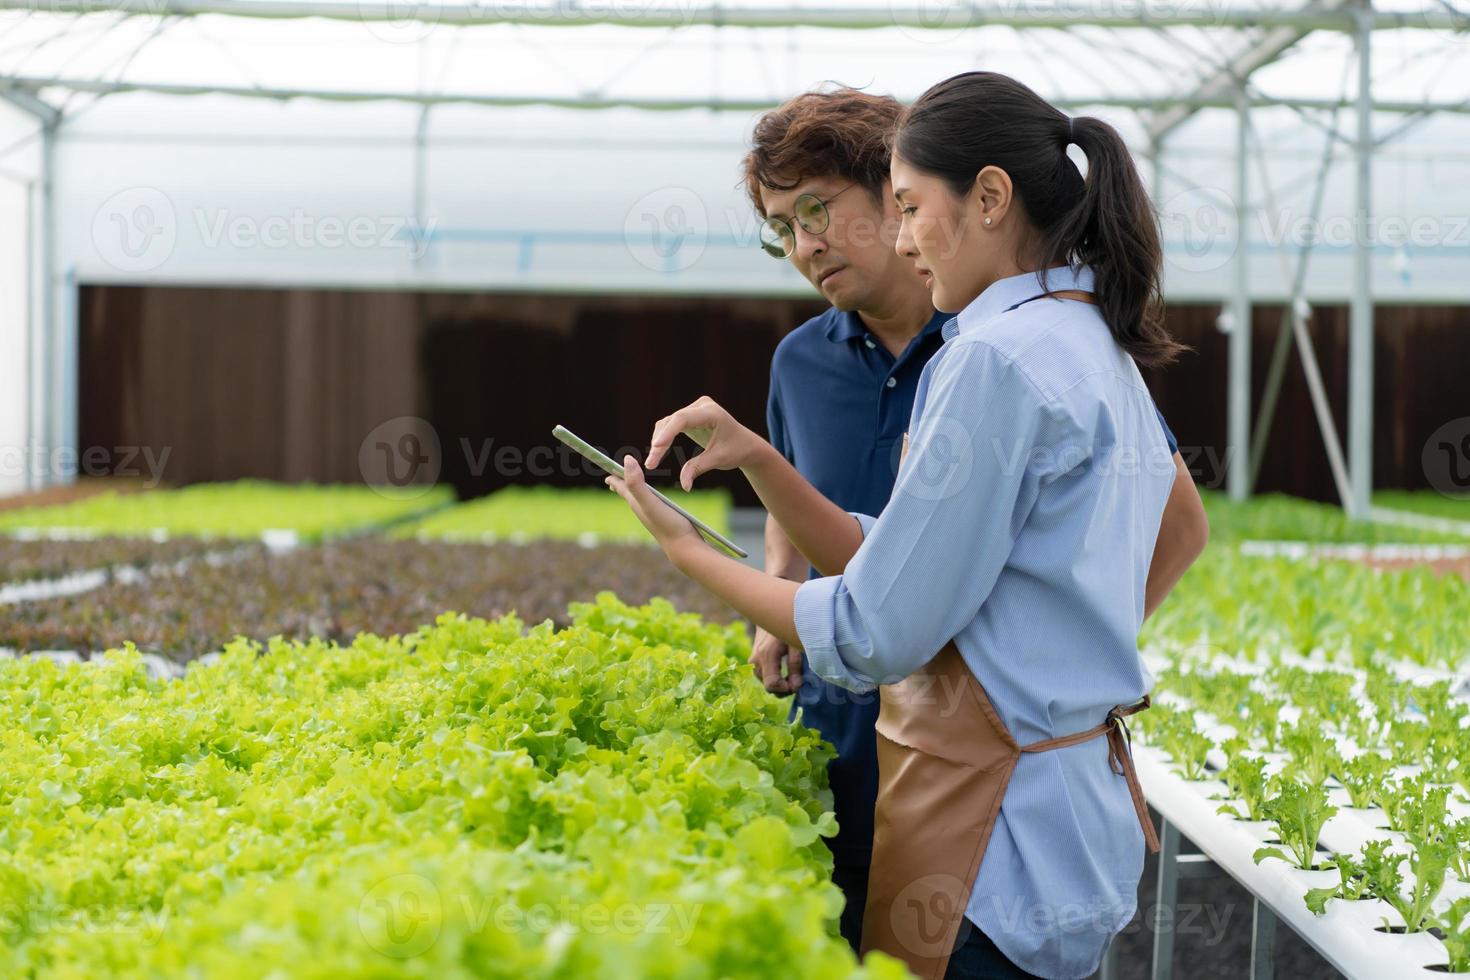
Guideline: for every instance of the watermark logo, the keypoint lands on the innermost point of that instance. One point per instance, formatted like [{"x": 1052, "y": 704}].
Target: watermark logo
[
  {"x": 1449, "y": 19},
  {"x": 940, "y": 461},
  {"x": 135, "y": 230},
  {"x": 402, "y": 456},
  {"x": 667, "y": 230},
  {"x": 1446, "y": 458},
  {"x": 401, "y": 916},
  {"x": 399, "y": 21},
  {"x": 145, "y": 463},
  {"x": 932, "y": 21},
  {"x": 924, "y": 910},
  {"x": 1201, "y": 231},
  {"x": 143, "y": 15},
  {"x": 302, "y": 229}
]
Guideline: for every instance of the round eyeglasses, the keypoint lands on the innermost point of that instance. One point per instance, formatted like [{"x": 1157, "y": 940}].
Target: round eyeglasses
[{"x": 778, "y": 238}]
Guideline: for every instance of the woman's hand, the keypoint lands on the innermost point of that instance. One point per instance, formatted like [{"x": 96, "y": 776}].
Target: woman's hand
[
  {"x": 674, "y": 534},
  {"x": 728, "y": 445}
]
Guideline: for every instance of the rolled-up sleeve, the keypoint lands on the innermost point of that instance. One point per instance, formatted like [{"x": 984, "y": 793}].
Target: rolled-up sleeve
[{"x": 984, "y": 439}]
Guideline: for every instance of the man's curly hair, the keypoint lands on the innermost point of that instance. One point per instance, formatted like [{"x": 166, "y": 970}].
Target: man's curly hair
[{"x": 841, "y": 133}]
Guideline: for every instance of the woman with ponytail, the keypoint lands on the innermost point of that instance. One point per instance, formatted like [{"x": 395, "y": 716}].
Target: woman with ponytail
[{"x": 995, "y": 603}]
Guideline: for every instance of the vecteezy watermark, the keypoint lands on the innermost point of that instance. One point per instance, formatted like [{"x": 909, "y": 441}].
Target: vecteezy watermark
[
  {"x": 1200, "y": 227},
  {"x": 407, "y": 454},
  {"x": 64, "y": 462},
  {"x": 142, "y": 15},
  {"x": 1202, "y": 231},
  {"x": 667, "y": 230},
  {"x": 547, "y": 460},
  {"x": 945, "y": 455},
  {"x": 301, "y": 229},
  {"x": 941, "y": 460},
  {"x": 943, "y": 21},
  {"x": 1205, "y": 919},
  {"x": 400, "y": 21},
  {"x": 1449, "y": 19},
  {"x": 403, "y": 916},
  {"x": 925, "y": 911},
  {"x": 1446, "y": 458},
  {"x": 933, "y": 21},
  {"x": 402, "y": 456},
  {"x": 1208, "y": 465},
  {"x": 138, "y": 229},
  {"x": 409, "y": 21},
  {"x": 1103, "y": 915},
  {"x": 143, "y": 926},
  {"x": 1286, "y": 227},
  {"x": 135, "y": 230}
]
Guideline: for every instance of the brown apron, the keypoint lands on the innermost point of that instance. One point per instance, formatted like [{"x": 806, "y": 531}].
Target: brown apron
[{"x": 944, "y": 760}]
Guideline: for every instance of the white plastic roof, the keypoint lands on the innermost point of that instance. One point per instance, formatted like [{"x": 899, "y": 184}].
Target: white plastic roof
[
  {"x": 598, "y": 51},
  {"x": 233, "y": 141},
  {"x": 259, "y": 109}
]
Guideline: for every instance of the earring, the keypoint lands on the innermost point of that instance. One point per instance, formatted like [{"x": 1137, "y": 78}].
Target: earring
[{"x": 987, "y": 221}]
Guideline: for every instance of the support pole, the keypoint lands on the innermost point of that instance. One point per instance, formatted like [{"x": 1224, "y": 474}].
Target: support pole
[
  {"x": 33, "y": 192},
  {"x": 1108, "y": 969},
  {"x": 1263, "y": 942},
  {"x": 43, "y": 391},
  {"x": 1238, "y": 410},
  {"x": 420, "y": 186},
  {"x": 40, "y": 297},
  {"x": 66, "y": 453},
  {"x": 1166, "y": 901},
  {"x": 1275, "y": 375},
  {"x": 1360, "y": 347},
  {"x": 1156, "y": 156}
]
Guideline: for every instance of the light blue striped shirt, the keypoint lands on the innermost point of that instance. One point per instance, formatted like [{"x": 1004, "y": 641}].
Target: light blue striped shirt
[{"x": 1021, "y": 526}]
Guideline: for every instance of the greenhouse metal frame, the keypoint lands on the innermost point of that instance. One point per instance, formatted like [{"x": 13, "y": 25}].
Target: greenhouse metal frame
[{"x": 1254, "y": 38}]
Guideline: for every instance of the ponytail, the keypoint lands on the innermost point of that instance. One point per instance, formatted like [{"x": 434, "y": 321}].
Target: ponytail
[{"x": 1105, "y": 221}]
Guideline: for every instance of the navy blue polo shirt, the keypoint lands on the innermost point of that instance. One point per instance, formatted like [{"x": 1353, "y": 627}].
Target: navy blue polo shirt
[{"x": 838, "y": 408}]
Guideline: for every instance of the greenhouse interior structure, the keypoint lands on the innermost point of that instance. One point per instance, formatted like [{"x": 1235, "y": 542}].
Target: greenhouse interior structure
[{"x": 324, "y": 655}]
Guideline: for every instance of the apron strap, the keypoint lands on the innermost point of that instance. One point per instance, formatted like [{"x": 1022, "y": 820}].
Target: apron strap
[{"x": 1120, "y": 758}]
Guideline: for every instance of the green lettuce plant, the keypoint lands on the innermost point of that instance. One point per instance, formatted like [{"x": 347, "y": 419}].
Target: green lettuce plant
[
  {"x": 1361, "y": 776},
  {"x": 618, "y": 797},
  {"x": 1455, "y": 927},
  {"x": 1245, "y": 775},
  {"x": 1427, "y": 864},
  {"x": 1352, "y": 884},
  {"x": 1298, "y": 812}
]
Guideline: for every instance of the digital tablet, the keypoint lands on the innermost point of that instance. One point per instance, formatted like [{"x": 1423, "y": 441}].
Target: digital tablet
[{"x": 610, "y": 466}]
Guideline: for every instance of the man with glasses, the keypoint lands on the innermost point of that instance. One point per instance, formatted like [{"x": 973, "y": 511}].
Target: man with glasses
[{"x": 842, "y": 390}]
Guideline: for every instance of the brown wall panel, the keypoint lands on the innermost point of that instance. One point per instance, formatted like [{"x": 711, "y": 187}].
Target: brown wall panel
[
  {"x": 285, "y": 384},
  {"x": 1421, "y": 355}
]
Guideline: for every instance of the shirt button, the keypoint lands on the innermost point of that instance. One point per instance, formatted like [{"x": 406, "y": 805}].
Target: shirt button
[
  {"x": 891, "y": 382},
  {"x": 870, "y": 343}
]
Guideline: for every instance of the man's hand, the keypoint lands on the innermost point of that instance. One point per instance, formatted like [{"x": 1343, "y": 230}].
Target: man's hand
[{"x": 766, "y": 655}]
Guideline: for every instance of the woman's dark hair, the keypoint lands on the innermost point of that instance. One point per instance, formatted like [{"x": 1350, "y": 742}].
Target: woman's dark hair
[{"x": 1106, "y": 221}]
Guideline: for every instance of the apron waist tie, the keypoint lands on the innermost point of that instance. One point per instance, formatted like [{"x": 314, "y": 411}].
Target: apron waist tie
[{"x": 1120, "y": 758}]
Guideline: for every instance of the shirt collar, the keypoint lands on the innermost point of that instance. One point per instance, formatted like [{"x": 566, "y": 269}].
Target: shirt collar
[
  {"x": 844, "y": 325},
  {"x": 847, "y": 325},
  {"x": 1010, "y": 292}
]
